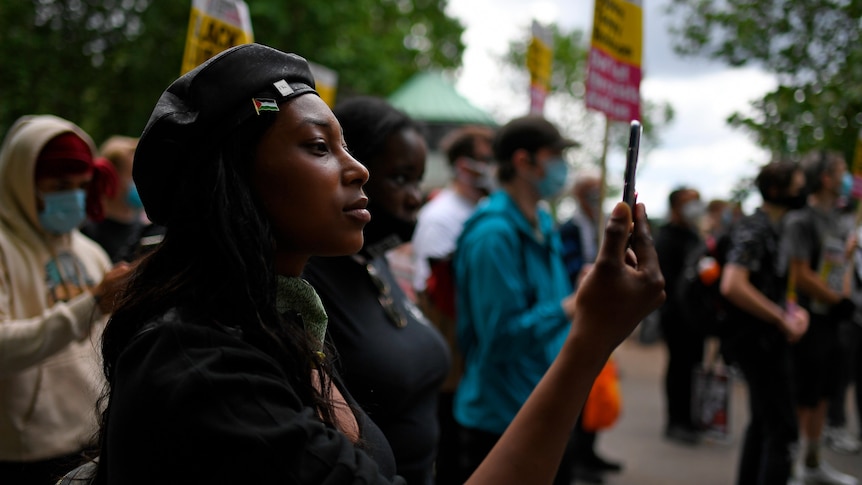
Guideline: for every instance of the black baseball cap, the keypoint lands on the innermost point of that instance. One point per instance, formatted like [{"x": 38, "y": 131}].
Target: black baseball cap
[{"x": 530, "y": 133}]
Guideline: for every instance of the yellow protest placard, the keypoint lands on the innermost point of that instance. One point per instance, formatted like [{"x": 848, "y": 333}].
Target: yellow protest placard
[
  {"x": 540, "y": 58},
  {"x": 214, "y": 26}
]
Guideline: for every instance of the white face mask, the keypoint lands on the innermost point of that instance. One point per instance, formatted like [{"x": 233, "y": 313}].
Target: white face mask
[
  {"x": 479, "y": 175},
  {"x": 692, "y": 212}
]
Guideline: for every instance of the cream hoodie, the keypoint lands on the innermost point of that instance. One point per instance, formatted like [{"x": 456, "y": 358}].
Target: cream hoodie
[{"x": 50, "y": 366}]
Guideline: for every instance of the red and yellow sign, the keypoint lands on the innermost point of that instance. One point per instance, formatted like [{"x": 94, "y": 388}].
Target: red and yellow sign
[
  {"x": 214, "y": 26},
  {"x": 614, "y": 64}
]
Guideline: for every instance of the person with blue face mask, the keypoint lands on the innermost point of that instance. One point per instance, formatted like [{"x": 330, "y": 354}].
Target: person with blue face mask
[
  {"x": 124, "y": 224},
  {"x": 514, "y": 299},
  {"x": 56, "y": 290}
]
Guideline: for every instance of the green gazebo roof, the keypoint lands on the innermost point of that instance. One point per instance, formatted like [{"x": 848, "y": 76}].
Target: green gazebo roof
[{"x": 429, "y": 97}]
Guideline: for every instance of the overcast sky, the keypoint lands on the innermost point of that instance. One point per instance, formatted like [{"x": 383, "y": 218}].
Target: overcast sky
[{"x": 698, "y": 148}]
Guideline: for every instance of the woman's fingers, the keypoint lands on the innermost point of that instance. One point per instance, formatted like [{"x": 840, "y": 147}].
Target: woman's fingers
[{"x": 616, "y": 234}]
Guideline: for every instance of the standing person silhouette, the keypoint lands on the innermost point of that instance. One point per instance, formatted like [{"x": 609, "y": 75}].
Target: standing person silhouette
[
  {"x": 819, "y": 247},
  {"x": 762, "y": 326},
  {"x": 57, "y": 288},
  {"x": 368, "y": 312},
  {"x": 438, "y": 226},
  {"x": 514, "y": 300},
  {"x": 684, "y": 339}
]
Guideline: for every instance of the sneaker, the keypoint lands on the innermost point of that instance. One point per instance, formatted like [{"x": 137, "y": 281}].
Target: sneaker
[
  {"x": 826, "y": 475},
  {"x": 582, "y": 474},
  {"x": 598, "y": 463},
  {"x": 840, "y": 440},
  {"x": 682, "y": 435}
]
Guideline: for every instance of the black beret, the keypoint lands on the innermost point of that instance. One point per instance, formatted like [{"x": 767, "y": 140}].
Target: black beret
[{"x": 197, "y": 110}]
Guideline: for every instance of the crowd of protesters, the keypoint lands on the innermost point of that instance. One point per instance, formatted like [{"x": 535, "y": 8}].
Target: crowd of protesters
[{"x": 242, "y": 309}]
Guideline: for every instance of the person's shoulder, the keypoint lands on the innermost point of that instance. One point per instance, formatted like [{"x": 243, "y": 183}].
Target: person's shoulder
[
  {"x": 176, "y": 335},
  {"x": 84, "y": 246},
  {"x": 798, "y": 218},
  {"x": 439, "y": 208}
]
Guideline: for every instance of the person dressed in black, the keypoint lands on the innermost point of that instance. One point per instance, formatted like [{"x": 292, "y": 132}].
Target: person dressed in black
[
  {"x": 684, "y": 339},
  {"x": 761, "y": 326},
  {"x": 369, "y": 314}
]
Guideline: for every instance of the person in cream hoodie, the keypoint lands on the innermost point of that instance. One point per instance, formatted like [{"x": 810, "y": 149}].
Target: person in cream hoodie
[{"x": 56, "y": 290}]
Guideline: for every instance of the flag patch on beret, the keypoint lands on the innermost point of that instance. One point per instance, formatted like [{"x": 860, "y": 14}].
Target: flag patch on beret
[{"x": 264, "y": 105}]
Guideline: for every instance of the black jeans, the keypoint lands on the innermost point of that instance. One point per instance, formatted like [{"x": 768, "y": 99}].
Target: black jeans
[
  {"x": 685, "y": 353},
  {"x": 447, "y": 467},
  {"x": 849, "y": 372},
  {"x": 767, "y": 450}
]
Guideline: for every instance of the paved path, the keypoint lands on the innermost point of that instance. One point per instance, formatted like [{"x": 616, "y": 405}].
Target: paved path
[{"x": 637, "y": 439}]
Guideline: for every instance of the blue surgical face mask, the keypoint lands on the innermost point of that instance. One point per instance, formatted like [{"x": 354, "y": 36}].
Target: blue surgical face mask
[
  {"x": 846, "y": 184},
  {"x": 63, "y": 211},
  {"x": 556, "y": 172},
  {"x": 133, "y": 199}
]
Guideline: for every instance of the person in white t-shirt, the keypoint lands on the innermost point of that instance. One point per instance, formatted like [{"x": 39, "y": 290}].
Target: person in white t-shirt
[{"x": 470, "y": 156}]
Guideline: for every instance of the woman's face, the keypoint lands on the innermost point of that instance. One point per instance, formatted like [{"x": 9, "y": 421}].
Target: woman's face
[
  {"x": 396, "y": 174},
  {"x": 309, "y": 185}
]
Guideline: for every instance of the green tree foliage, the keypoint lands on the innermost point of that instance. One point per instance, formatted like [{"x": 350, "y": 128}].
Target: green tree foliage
[
  {"x": 813, "y": 47},
  {"x": 103, "y": 63}
]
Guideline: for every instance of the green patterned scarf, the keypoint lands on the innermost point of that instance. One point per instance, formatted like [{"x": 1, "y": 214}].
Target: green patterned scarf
[{"x": 297, "y": 295}]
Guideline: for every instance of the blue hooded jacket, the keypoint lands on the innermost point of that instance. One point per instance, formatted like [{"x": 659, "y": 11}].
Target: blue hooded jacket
[{"x": 510, "y": 281}]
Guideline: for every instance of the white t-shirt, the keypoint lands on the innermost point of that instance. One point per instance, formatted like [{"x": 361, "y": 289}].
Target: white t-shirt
[{"x": 437, "y": 229}]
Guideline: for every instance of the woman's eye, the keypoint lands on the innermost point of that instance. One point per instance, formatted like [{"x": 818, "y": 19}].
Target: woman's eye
[
  {"x": 319, "y": 147},
  {"x": 399, "y": 179}
]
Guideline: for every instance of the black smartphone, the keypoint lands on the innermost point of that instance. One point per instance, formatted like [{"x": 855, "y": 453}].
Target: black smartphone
[{"x": 629, "y": 193}]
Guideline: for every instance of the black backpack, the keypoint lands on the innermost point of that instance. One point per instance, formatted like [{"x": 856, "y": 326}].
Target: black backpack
[{"x": 697, "y": 292}]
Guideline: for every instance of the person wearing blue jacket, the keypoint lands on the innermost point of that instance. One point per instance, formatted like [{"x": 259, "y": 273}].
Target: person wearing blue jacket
[{"x": 514, "y": 299}]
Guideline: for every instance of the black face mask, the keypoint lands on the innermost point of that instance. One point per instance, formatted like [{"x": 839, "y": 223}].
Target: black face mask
[
  {"x": 791, "y": 202},
  {"x": 385, "y": 231}
]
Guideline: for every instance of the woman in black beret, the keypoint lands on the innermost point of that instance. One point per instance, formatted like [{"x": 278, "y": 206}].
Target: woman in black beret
[{"x": 217, "y": 361}]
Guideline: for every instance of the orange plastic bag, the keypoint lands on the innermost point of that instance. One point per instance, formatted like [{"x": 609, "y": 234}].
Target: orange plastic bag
[{"x": 604, "y": 403}]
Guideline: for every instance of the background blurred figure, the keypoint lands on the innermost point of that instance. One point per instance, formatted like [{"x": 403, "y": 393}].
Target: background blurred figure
[
  {"x": 514, "y": 299},
  {"x": 124, "y": 230},
  {"x": 439, "y": 224},
  {"x": 684, "y": 339},
  {"x": 717, "y": 220},
  {"x": 836, "y": 434},
  {"x": 117, "y": 233},
  {"x": 579, "y": 233},
  {"x": 579, "y": 237},
  {"x": 818, "y": 246},
  {"x": 56, "y": 288},
  {"x": 851, "y": 339},
  {"x": 761, "y": 325},
  {"x": 369, "y": 314}
]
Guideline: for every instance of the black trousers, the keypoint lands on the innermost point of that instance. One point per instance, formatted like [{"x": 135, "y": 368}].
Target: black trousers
[
  {"x": 684, "y": 342},
  {"x": 447, "y": 467},
  {"x": 476, "y": 444},
  {"x": 849, "y": 372},
  {"x": 767, "y": 449}
]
